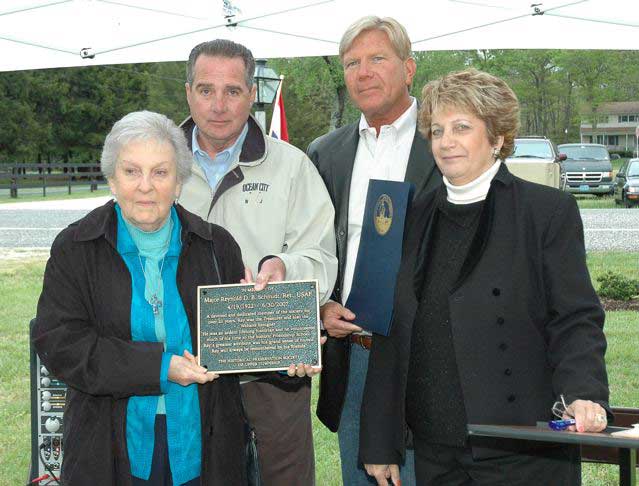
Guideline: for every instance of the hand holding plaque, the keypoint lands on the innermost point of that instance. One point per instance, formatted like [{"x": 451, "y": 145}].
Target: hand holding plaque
[{"x": 242, "y": 330}]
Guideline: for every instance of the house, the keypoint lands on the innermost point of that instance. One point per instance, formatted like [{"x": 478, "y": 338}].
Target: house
[{"x": 615, "y": 126}]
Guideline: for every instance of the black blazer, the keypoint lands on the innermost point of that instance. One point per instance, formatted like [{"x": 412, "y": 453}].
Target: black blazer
[
  {"x": 334, "y": 155},
  {"x": 526, "y": 322}
]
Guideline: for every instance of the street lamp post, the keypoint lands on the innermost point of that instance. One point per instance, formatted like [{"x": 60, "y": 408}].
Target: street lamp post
[{"x": 267, "y": 81}]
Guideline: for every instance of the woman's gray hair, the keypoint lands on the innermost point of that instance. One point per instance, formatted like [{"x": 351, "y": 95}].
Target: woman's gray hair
[
  {"x": 394, "y": 30},
  {"x": 146, "y": 125}
]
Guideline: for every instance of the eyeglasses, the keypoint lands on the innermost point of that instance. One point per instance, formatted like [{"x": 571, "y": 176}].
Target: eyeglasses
[{"x": 560, "y": 409}]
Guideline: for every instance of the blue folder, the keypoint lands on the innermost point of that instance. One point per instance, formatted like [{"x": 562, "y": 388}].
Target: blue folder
[{"x": 379, "y": 255}]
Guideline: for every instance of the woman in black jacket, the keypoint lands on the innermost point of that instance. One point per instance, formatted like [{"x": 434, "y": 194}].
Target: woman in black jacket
[
  {"x": 495, "y": 317},
  {"x": 117, "y": 322}
]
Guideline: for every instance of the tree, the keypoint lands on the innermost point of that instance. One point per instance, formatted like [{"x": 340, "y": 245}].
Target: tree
[
  {"x": 432, "y": 65},
  {"x": 167, "y": 94},
  {"x": 532, "y": 75},
  {"x": 19, "y": 127},
  {"x": 315, "y": 97},
  {"x": 591, "y": 71},
  {"x": 64, "y": 114}
]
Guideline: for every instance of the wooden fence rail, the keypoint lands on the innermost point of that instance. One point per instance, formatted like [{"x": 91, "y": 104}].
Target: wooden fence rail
[{"x": 22, "y": 176}]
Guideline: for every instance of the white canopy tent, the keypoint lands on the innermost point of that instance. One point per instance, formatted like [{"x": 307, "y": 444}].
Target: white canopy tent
[{"x": 57, "y": 33}]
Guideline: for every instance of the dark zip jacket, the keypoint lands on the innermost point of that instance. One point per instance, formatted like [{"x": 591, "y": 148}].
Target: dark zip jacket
[{"x": 83, "y": 335}]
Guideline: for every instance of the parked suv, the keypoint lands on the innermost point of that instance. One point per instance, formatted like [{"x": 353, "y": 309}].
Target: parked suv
[
  {"x": 627, "y": 184},
  {"x": 536, "y": 159},
  {"x": 587, "y": 168}
]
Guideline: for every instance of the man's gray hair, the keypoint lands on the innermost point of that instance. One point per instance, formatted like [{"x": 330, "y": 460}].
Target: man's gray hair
[
  {"x": 394, "y": 30},
  {"x": 146, "y": 125},
  {"x": 222, "y": 48}
]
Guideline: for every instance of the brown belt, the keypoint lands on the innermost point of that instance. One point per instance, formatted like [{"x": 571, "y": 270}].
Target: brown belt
[{"x": 363, "y": 340}]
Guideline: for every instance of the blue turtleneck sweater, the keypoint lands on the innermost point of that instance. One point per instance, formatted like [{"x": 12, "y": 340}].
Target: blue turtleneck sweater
[{"x": 152, "y": 260}]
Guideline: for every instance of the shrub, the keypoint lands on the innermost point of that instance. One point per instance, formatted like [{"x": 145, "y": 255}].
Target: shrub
[
  {"x": 626, "y": 154},
  {"x": 616, "y": 286}
]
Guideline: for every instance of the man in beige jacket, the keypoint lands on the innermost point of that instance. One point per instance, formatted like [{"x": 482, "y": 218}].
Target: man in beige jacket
[{"x": 271, "y": 198}]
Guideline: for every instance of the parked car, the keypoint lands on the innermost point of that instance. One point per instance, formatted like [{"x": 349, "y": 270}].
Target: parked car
[
  {"x": 587, "y": 168},
  {"x": 536, "y": 159},
  {"x": 627, "y": 184}
]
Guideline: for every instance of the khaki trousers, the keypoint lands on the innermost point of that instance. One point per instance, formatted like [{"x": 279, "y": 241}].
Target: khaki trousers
[{"x": 282, "y": 423}]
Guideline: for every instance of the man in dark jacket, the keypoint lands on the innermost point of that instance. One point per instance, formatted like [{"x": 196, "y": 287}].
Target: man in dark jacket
[{"x": 384, "y": 144}]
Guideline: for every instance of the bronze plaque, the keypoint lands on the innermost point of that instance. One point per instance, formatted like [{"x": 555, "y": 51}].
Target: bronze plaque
[{"x": 242, "y": 330}]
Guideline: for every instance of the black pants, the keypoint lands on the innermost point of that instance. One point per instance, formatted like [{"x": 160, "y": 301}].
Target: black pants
[
  {"x": 160, "y": 467},
  {"x": 439, "y": 465}
]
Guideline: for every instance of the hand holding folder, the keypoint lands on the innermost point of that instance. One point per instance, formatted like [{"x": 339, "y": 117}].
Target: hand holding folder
[{"x": 379, "y": 255}]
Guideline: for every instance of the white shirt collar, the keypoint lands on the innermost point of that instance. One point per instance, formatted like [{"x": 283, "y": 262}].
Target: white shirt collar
[
  {"x": 405, "y": 124},
  {"x": 474, "y": 191}
]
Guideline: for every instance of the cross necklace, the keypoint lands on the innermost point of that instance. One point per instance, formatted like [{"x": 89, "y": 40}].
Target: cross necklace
[{"x": 154, "y": 301}]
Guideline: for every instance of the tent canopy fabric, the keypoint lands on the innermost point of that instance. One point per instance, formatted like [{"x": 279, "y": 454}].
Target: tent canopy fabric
[{"x": 57, "y": 33}]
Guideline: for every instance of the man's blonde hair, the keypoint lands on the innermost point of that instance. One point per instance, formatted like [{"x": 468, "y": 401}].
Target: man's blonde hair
[{"x": 394, "y": 30}]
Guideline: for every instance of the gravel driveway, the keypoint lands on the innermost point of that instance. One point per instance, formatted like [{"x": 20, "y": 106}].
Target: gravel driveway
[
  {"x": 32, "y": 226},
  {"x": 29, "y": 228},
  {"x": 611, "y": 229}
]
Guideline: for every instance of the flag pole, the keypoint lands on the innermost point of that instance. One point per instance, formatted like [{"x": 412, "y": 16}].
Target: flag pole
[
  {"x": 278, "y": 118},
  {"x": 278, "y": 93}
]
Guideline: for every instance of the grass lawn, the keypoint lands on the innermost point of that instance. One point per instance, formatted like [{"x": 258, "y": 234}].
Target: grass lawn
[
  {"x": 616, "y": 165},
  {"x": 622, "y": 262},
  {"x": 78, "y": 193},
  {"x": 589, "y": 201},
  {"x": 20, "y": 284}
]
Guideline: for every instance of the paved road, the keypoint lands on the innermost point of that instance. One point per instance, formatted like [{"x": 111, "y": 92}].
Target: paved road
[
  {"x": 35, "y": 224},
  {"x": 24, "y": 228},
  {"x": 31, "y": 225}
]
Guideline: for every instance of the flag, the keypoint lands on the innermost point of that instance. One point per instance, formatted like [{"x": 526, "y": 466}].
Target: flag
[{"x": 278, "y": 119}]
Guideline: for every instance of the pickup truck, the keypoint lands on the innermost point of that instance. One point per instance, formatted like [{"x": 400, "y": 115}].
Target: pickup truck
[
  {"x": 587, "y": 169},
  {"x": 536, "y": 159}
]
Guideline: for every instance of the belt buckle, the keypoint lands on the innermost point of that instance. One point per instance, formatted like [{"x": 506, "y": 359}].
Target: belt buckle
[{"x": 360, "y": 339}]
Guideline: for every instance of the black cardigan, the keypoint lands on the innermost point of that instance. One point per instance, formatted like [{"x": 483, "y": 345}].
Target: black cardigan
[{"x": 526, "y": 322}]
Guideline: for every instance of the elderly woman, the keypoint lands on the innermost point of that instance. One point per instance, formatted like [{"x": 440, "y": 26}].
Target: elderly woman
[
  {"x": 495, "y": 316},
  {"x": 116, "y": 322}
]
